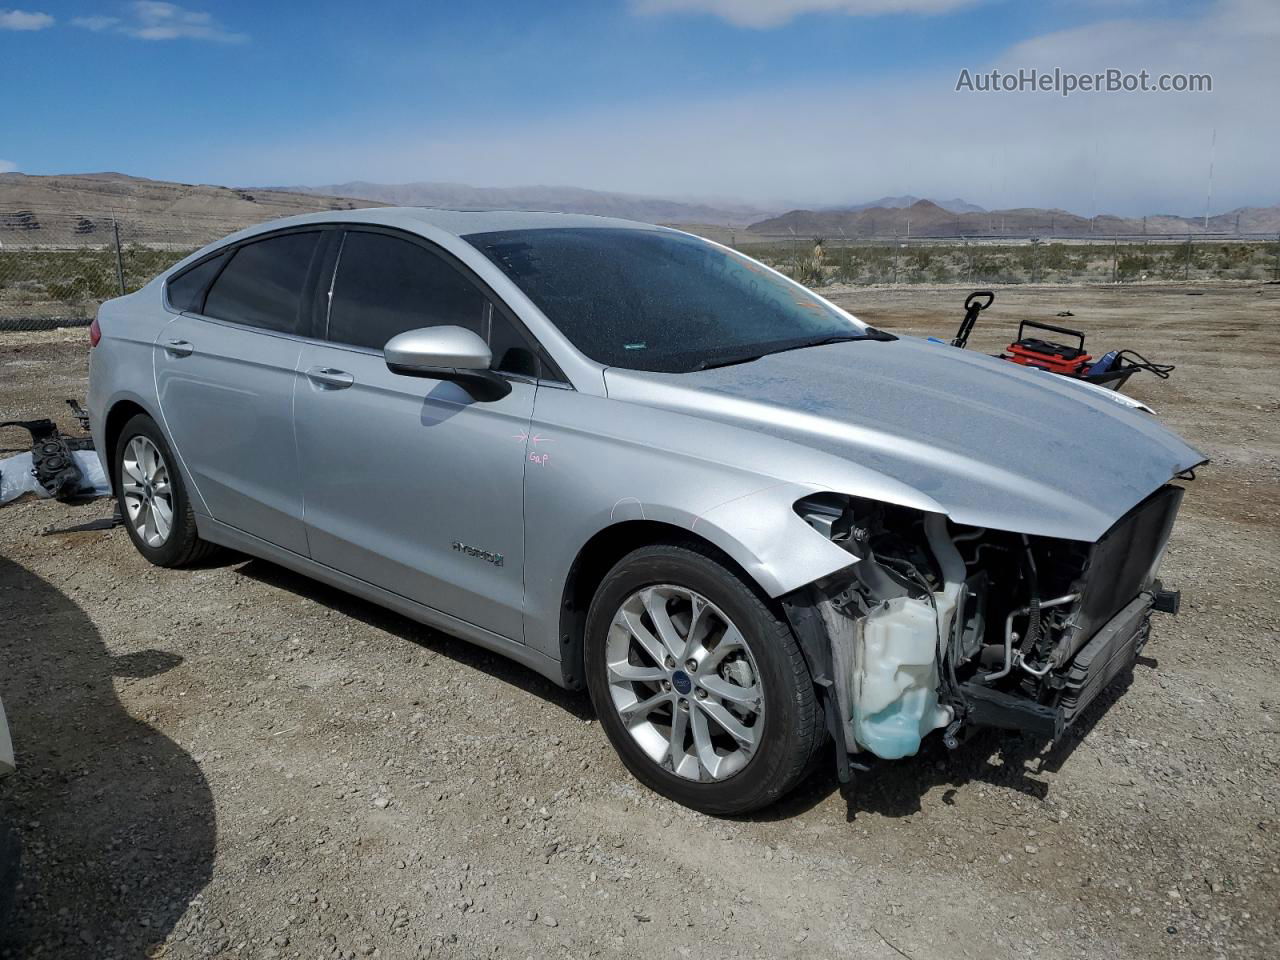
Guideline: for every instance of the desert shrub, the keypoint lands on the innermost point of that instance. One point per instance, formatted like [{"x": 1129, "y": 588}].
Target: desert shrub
[{"x": 1134, "y": 263}]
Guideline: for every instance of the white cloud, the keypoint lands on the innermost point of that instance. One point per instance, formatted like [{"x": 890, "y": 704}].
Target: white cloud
[
  {"x": 96, "y": 24},
  {"x": 7, "y": 166},
  {"x": 153, "y": 20},
  {"x": 24, "y": 20},
  {"x": 762, "y": 14}
]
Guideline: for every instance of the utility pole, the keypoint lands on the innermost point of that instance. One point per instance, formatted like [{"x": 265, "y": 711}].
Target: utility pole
[
  {"x": 1213, "y": 146},
  {"x": 1093, "y": 219},
  {"x": 1186, "y": 275},
  {"x": 1115, "y": 259}
]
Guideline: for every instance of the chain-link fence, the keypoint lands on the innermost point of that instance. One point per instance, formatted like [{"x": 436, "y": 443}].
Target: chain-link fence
[
  {"x": 818, "y": 261},
  {"x": 56, "y": 268}
]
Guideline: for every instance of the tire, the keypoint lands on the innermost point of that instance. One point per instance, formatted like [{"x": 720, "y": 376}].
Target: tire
[
  {"x": 770, "y": 689},
  {"x": 180, "y": 546}
]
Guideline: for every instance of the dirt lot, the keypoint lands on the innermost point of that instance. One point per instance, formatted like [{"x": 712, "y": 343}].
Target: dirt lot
[{"x": 233, "y": 761}]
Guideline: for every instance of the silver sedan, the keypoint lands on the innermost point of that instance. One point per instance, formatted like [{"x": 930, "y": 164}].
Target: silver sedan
[{"x": 643, "y": 464}]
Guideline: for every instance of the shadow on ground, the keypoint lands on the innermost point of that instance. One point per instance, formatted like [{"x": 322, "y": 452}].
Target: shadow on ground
[
  {"x": 115, "y": 820},
  {"x": 896, "y": 788},
  {"x": 467, "y": 654},
  {"x": 888, "y": 788}
]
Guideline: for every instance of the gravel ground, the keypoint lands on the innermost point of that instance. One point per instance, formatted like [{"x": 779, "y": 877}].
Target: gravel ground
[{"x": 234, "y": 761}]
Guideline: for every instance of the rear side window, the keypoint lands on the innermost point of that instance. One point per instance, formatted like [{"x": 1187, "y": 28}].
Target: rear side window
[
  {"x": 262, "y": 286},
  {"x": 385, "y": 286},
  {"x": 186, "y": 291}
]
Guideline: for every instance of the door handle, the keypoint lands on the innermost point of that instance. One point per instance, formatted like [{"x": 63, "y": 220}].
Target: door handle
[
  {"x": 179, "y": 348},
  {"x": 329, "y": 377}
]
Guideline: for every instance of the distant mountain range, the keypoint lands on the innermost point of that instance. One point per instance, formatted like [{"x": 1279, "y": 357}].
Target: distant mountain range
[
  {"x": 898, "y": 203},
  {"x": 154, "y": 208},
  {"x": 923, "y": 218},
  {"x": 149, "y": 210},
  {"x": 628, "y": 206}
]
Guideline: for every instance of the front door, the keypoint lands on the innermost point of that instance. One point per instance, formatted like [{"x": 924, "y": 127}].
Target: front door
[{"x": 410, "y": 483}]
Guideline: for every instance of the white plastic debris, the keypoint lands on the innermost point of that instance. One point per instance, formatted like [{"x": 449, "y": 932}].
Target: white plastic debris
[{"x": 17, "y": 476}]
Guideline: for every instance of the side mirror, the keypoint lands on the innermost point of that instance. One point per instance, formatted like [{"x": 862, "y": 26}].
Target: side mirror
[
  {"x": 432, "y": 350},
  {"x": 447, "y": 353}
]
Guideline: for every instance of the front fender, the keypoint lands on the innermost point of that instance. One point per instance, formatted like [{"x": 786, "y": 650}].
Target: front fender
[
  {"x": 589, "y": 476},
  {"x": 759, "y": 530}
]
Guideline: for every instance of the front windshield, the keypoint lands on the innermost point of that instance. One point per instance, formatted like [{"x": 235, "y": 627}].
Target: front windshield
[{"x": 659, "y": 300}]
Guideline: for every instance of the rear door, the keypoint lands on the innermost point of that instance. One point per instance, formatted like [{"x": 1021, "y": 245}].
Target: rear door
[
  {"x": 225, "y": 371},
  {"x": 409, "y": 482}
]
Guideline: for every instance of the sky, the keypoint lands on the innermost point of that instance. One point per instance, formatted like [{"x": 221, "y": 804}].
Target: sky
[{"x": 774, "y": 102}]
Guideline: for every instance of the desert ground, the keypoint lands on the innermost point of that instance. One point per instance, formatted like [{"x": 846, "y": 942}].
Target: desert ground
[{"x": 233, "y": 761}]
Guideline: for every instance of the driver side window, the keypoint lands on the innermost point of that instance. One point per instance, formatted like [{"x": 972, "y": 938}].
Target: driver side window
[{"x": 386, "y": 285}]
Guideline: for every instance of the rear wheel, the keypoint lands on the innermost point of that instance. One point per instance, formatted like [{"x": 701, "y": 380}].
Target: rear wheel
[
  {"x": 152, "y": 498},
  {"x": 699, "y": 685}
]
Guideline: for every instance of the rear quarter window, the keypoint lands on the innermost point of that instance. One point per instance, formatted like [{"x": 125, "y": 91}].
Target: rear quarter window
[{"x": 187, "y": 289}]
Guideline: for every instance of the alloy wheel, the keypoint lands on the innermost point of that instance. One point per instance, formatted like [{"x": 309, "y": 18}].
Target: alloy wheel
[
  {"x": 148, "y": 495},
  {"x": 684, "y": 682}
]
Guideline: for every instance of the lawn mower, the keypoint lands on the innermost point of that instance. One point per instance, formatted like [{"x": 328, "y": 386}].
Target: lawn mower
[{"x": 1111, "y": 370}]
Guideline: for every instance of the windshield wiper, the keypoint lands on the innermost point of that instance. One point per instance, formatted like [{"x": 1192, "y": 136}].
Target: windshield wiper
[
  {"x": 724, "y": 362},
  {"x": 871, "y": 333}
]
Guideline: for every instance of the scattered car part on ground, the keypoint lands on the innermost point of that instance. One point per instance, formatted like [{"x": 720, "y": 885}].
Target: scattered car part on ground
[
  {"x": 58, "y": 466},
  {"x": 18, "y": 477},
  {"x": 1112, "y": 370},
  {"x": 647, "y": 465},
  {"x": 55, "y": 468},
  {"x": 81, "y": 415}
]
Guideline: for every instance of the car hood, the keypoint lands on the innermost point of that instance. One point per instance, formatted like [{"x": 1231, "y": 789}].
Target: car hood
[{"x": 991, "y": 443}]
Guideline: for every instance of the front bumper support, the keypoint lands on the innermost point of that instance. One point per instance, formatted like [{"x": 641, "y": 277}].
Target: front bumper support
[{"x": 1111, "y": 652}]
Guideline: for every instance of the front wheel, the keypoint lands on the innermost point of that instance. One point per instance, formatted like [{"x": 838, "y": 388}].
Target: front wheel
[{"x": 699, "y": 685}]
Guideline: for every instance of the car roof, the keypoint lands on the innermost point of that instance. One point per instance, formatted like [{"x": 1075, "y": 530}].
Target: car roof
[{"x": 457, "y": 222}]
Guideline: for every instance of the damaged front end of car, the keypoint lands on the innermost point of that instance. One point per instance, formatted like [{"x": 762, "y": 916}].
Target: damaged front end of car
[{"x": 938, "y": 626}]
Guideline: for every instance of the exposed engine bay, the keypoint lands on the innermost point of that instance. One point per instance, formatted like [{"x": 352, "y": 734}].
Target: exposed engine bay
[{"x": 944, "y": 627}]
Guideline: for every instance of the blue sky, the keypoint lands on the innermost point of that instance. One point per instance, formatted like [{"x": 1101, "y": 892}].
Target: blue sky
[{"x": 804, "y": 101}]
